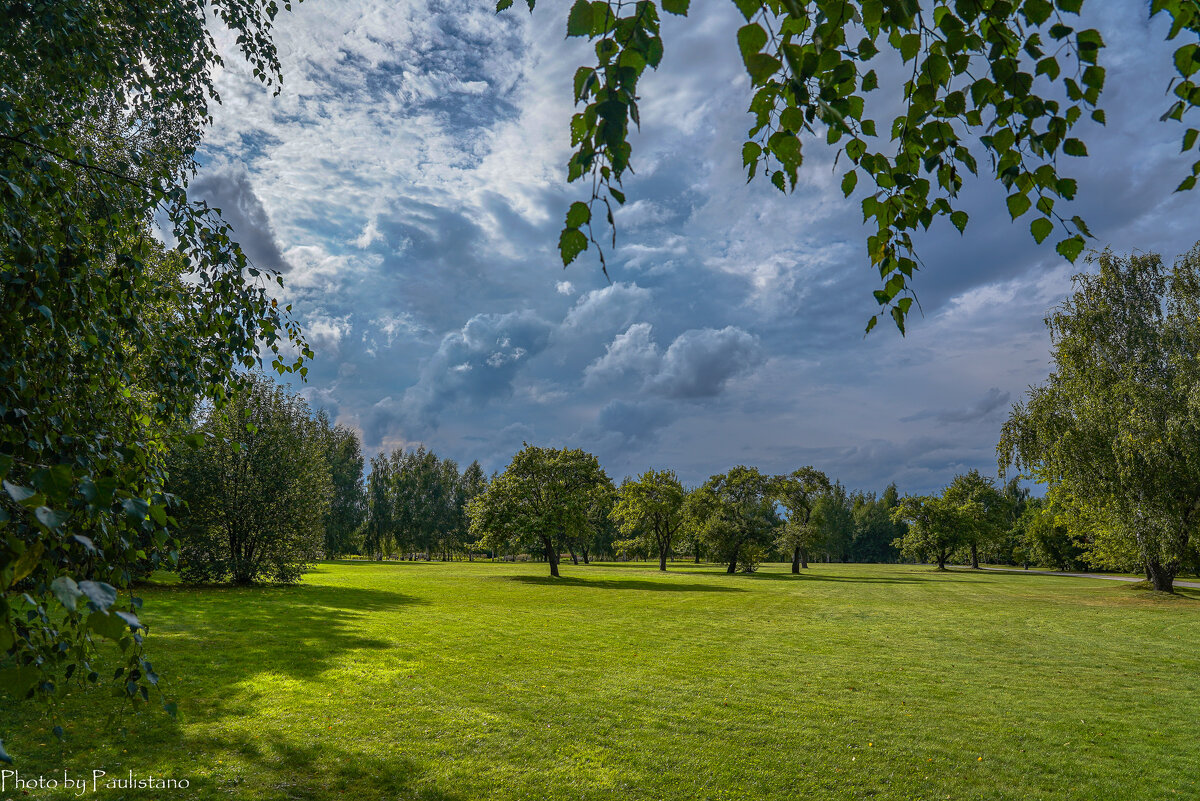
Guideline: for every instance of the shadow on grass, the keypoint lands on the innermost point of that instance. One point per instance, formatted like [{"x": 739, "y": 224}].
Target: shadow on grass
[
  {"x": 294, "y": 631},
  {"x": 932, "y": 575},
  {"x": 619, "y": 584},
  {"x": 277, "y": 767}
]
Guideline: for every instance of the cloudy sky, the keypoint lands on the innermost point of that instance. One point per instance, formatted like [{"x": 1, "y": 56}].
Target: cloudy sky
[{"x": 410, "y": 182}]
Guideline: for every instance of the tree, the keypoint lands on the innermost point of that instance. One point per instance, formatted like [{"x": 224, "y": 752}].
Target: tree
[
  {"x": 379, "y": 535},
  {"x": 257, "y": 491},
  {"x": 983, "y": 508},
  {"x": 105, "y": 351},
  {"x": 874, "y": 529},
  {"x": 797, "y": 492},
  {"x": 1047, "y": 538},
  {"x": 540, "y": 501},
  {"x": 835, "y": 522},
  {"x": 734, "y": 515},
  {"x": 347, "y": 506},
  {"x": 471, "y": 485},
  {"x": 1116, "y": 427},
  {"x": 1009, "y": 79},
  {"x": 935, "y": 528},
  {"x": 651, "y": 507}
]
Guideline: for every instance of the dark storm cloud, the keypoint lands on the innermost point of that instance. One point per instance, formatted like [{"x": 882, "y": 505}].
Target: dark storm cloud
[
  {"x": 412, "y": 175},
  {"x": 992, "y": 401},
  {"x": 231, "y": 191}
]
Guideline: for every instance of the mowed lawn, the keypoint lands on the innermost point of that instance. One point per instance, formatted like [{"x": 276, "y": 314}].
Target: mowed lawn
[{"x": 449, "y": 681}]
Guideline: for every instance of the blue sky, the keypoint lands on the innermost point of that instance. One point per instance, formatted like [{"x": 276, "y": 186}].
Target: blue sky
[{"x": 410, "y": 181}]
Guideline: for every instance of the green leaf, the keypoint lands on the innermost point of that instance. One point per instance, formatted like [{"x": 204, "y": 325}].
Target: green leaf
[
  {"x": 750, "y": 39},
  {"x": 101, "y": 594},
  {"x": 750, "y": 153},
  {"x": 578, "y": 215},
  {"x": 761, "y": 67},
  {"x": 1018, "y": 204},
  {"x": 66, "y": 590},
  {"x": 849, "y": 182},
  {"x": 18, "y": 493},
  {"x": 27, "y": 561},
  {"x": 1070, "y": 248},
  {"x": 1074, "y": 147},
  {"x": 18, "y": 680},
  {"x": 1041, "y": 228},
  {"x": 106, "y": 625},
  {"x": 49, "y": 518},
  {"x": 959, "y": 219},
  {"x": 678, "y": 7},
  {"x": 571, "y": 243},
  {"x": 579, "y": 20}
]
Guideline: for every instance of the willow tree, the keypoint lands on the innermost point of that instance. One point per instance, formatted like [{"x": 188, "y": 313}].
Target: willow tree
[
  {"x": 1116, "y": 426},
  {"x": 1006, "y": 80},
  {"x": 542, "y": 501}
]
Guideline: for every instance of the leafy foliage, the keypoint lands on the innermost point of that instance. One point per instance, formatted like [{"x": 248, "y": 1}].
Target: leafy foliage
[
  {"x": 734, "y": 515},
  {"x": 543, "y": 500},
  {"x": 983, "y": 508},
  {"x": 934, "y": 528},
  {"x": 798, "y": 493},
  {"x": 417, "y": 504},
  {"x": 1115, "y": 429},
  {"x": 1014, "y": 77},
  {"x": 651, "y": 508},
  {"x": 107, "y": 343},
  {"x": 347, "y": 505},
  {"x": 256, "y": 492}
]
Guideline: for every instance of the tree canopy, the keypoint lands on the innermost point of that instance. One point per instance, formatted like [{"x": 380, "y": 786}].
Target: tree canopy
[
  {"x": 1115, "y": 430},
  {"x": 734, "y": 515},
  {"x": 107, "y": 341},
  {"x": 1010, "y": 79},
  {"x": 542, "y": 500},
  {"x": 257, "y": 491},
  {"x": 651, "y": 507}
]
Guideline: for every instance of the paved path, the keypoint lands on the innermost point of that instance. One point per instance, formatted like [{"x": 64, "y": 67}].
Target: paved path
[{"x": 1192, "y": 584}]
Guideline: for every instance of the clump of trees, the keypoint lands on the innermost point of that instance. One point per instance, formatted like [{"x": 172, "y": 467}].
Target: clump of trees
[{"x": 416, "y": 503}]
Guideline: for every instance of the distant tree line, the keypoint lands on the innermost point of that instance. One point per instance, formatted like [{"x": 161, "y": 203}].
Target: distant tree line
[{"x": 416, "y": 505}]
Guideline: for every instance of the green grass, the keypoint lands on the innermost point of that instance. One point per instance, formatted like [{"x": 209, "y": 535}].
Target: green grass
[{"x": 465, "y": 681}]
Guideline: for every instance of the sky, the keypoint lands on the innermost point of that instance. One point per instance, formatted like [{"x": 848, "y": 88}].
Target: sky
[{"x": 410, "y": 182}]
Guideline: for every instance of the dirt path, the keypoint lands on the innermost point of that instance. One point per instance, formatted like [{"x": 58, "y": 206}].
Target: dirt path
[{"x": 1193, "y": 584}]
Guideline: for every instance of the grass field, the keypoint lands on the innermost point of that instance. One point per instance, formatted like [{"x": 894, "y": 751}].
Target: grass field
[{"x": 434, "y": 681}]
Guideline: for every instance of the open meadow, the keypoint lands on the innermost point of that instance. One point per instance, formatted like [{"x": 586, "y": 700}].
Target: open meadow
[{"x": 479, "y": 680}]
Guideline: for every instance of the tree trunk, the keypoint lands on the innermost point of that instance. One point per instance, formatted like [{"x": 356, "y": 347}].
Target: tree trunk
[
  {"x": 574, "y": 558},
  {"x": 804, "y": 558},
  {"x": 662, "y": 560},
  {"x": 1162, "y": 577},
  {"x": 732, "y": 563},
  {"x": 974, "y": 556},
  {"x": 552, "y": 558},
  {"x": 941, "y": 560},
  {"x": 796, "y": 561},
  {"x": 584, "y": 553},
  {"x": 697, "y": 551}
]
